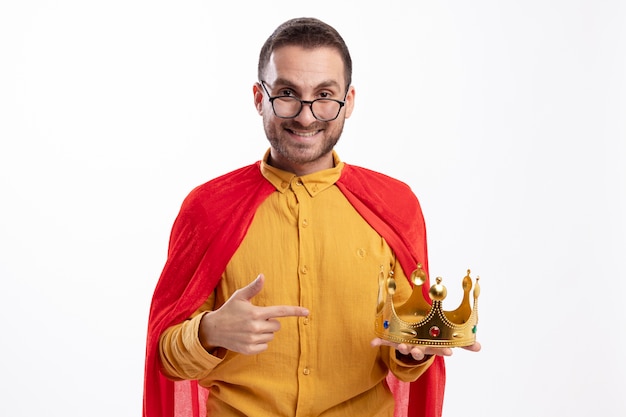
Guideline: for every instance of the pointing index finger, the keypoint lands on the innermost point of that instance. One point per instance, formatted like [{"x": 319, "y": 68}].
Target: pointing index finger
[{"x": 285, "y": 311}]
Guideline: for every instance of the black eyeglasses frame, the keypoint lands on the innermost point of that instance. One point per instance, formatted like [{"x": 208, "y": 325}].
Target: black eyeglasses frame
[{"x": 303, "y": 102}]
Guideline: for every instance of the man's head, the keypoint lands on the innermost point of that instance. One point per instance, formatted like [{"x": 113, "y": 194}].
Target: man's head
[
  {"x": 304, "y": 94},
  {"x": 308, "y": 33}
]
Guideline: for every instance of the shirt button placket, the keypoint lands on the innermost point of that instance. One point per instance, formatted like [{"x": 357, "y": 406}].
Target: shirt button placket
[{"x": 306, "y": 278}]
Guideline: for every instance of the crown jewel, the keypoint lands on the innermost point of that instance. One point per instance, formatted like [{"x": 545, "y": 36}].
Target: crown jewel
[{"x": 418, "y": 322}]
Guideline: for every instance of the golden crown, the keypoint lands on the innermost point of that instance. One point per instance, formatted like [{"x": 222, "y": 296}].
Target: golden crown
[{"x": 418, "y": 322}]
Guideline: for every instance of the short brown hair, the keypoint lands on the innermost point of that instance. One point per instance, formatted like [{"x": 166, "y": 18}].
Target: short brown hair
[{"x": 306, "y": 32}]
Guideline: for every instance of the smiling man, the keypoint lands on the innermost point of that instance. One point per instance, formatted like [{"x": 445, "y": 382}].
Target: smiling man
[{"x": 265, "y": 305}]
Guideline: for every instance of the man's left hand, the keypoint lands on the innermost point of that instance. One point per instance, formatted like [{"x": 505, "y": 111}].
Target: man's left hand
[{"x": 420, "y": 352}]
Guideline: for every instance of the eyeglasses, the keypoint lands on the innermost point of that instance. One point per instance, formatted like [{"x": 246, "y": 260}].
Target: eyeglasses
[{"x": 288, "y": 107}]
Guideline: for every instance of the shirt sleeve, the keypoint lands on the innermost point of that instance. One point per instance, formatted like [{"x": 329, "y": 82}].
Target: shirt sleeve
[
  {"x": 181, "y": 353},
  {"x": 407, "y": 370}
]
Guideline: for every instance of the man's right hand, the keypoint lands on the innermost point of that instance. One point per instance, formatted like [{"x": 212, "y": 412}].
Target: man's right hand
[{"x": 242, "y": 327}]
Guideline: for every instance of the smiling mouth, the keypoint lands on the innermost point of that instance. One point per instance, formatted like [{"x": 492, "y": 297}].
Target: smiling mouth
[{"x": 304, "y": 133}]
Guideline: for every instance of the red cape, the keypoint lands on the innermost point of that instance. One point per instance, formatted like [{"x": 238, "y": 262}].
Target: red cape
[{"x": 204, "y": 237}]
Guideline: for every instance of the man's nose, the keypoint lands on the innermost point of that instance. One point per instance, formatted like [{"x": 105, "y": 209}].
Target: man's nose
[{"x": 306, "y": 117}]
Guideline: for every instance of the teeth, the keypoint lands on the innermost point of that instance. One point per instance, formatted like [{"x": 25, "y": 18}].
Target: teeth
[{"x": 305, "y": 134}]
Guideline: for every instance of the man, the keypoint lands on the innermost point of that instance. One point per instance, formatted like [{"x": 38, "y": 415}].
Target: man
[{"x": 315, "y": 232}]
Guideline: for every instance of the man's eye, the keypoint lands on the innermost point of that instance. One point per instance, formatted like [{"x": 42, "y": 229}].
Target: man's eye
[
  {"x": 285, "y": 93},
  {"x": 325, "y": 95}
]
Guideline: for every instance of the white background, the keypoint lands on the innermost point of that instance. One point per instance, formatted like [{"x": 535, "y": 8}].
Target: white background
[{"x": 505, "y": 117}]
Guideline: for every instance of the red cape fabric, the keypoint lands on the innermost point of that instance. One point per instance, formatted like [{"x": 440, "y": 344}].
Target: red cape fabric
[{"x": 212, "y": 222}]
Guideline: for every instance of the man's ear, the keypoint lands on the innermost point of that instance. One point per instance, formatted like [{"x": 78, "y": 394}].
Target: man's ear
[
  {"x": 257, "y": 91},
  {"x": 350, "y": 101}
]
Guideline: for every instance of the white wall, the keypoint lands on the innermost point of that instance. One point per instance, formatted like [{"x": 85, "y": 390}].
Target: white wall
[{"x": 506, "y": 118}]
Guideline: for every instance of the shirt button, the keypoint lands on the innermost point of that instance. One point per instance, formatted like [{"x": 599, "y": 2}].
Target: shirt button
[
  {"x": 306, "y": 371},
  {"x": 284, "y": 184},
  {"x": 306, "y": 320},
  {"x": 299, "y": 182},
  {"x": 305, "y": 223},
  {"x": 304, "y": 269}
]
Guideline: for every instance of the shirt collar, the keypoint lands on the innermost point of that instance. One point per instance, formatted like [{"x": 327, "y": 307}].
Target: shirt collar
[{"x": 314, "y": 183}]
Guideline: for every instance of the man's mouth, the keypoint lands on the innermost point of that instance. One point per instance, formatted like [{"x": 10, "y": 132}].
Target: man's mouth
[{"x": 304, "y": 133}]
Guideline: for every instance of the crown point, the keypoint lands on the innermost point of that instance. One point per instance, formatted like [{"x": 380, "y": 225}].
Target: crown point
[
  {"x": 418, "y": 277},
  {"x": 467, "y": 284},
  {"x": 391, "y": 285},
  {"x": 438, "y": 292}
]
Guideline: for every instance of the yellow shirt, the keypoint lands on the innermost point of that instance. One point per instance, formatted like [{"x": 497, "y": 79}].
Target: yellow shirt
[{"x": 315, "y": 251}]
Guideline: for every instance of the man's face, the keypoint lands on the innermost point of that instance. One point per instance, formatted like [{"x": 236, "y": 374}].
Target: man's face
[{"x": 303, "y": 144}]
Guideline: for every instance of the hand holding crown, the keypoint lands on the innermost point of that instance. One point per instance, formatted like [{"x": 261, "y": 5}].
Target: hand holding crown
[{"x": 421, "y": 352}]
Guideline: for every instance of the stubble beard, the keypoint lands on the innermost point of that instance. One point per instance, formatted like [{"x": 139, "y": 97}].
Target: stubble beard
[{"x": 302, "y": 153}]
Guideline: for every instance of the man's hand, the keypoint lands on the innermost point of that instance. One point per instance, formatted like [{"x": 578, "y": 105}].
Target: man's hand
[
  {"x": 419, "y": 352},
  {"x": 242, "y": 327}
]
